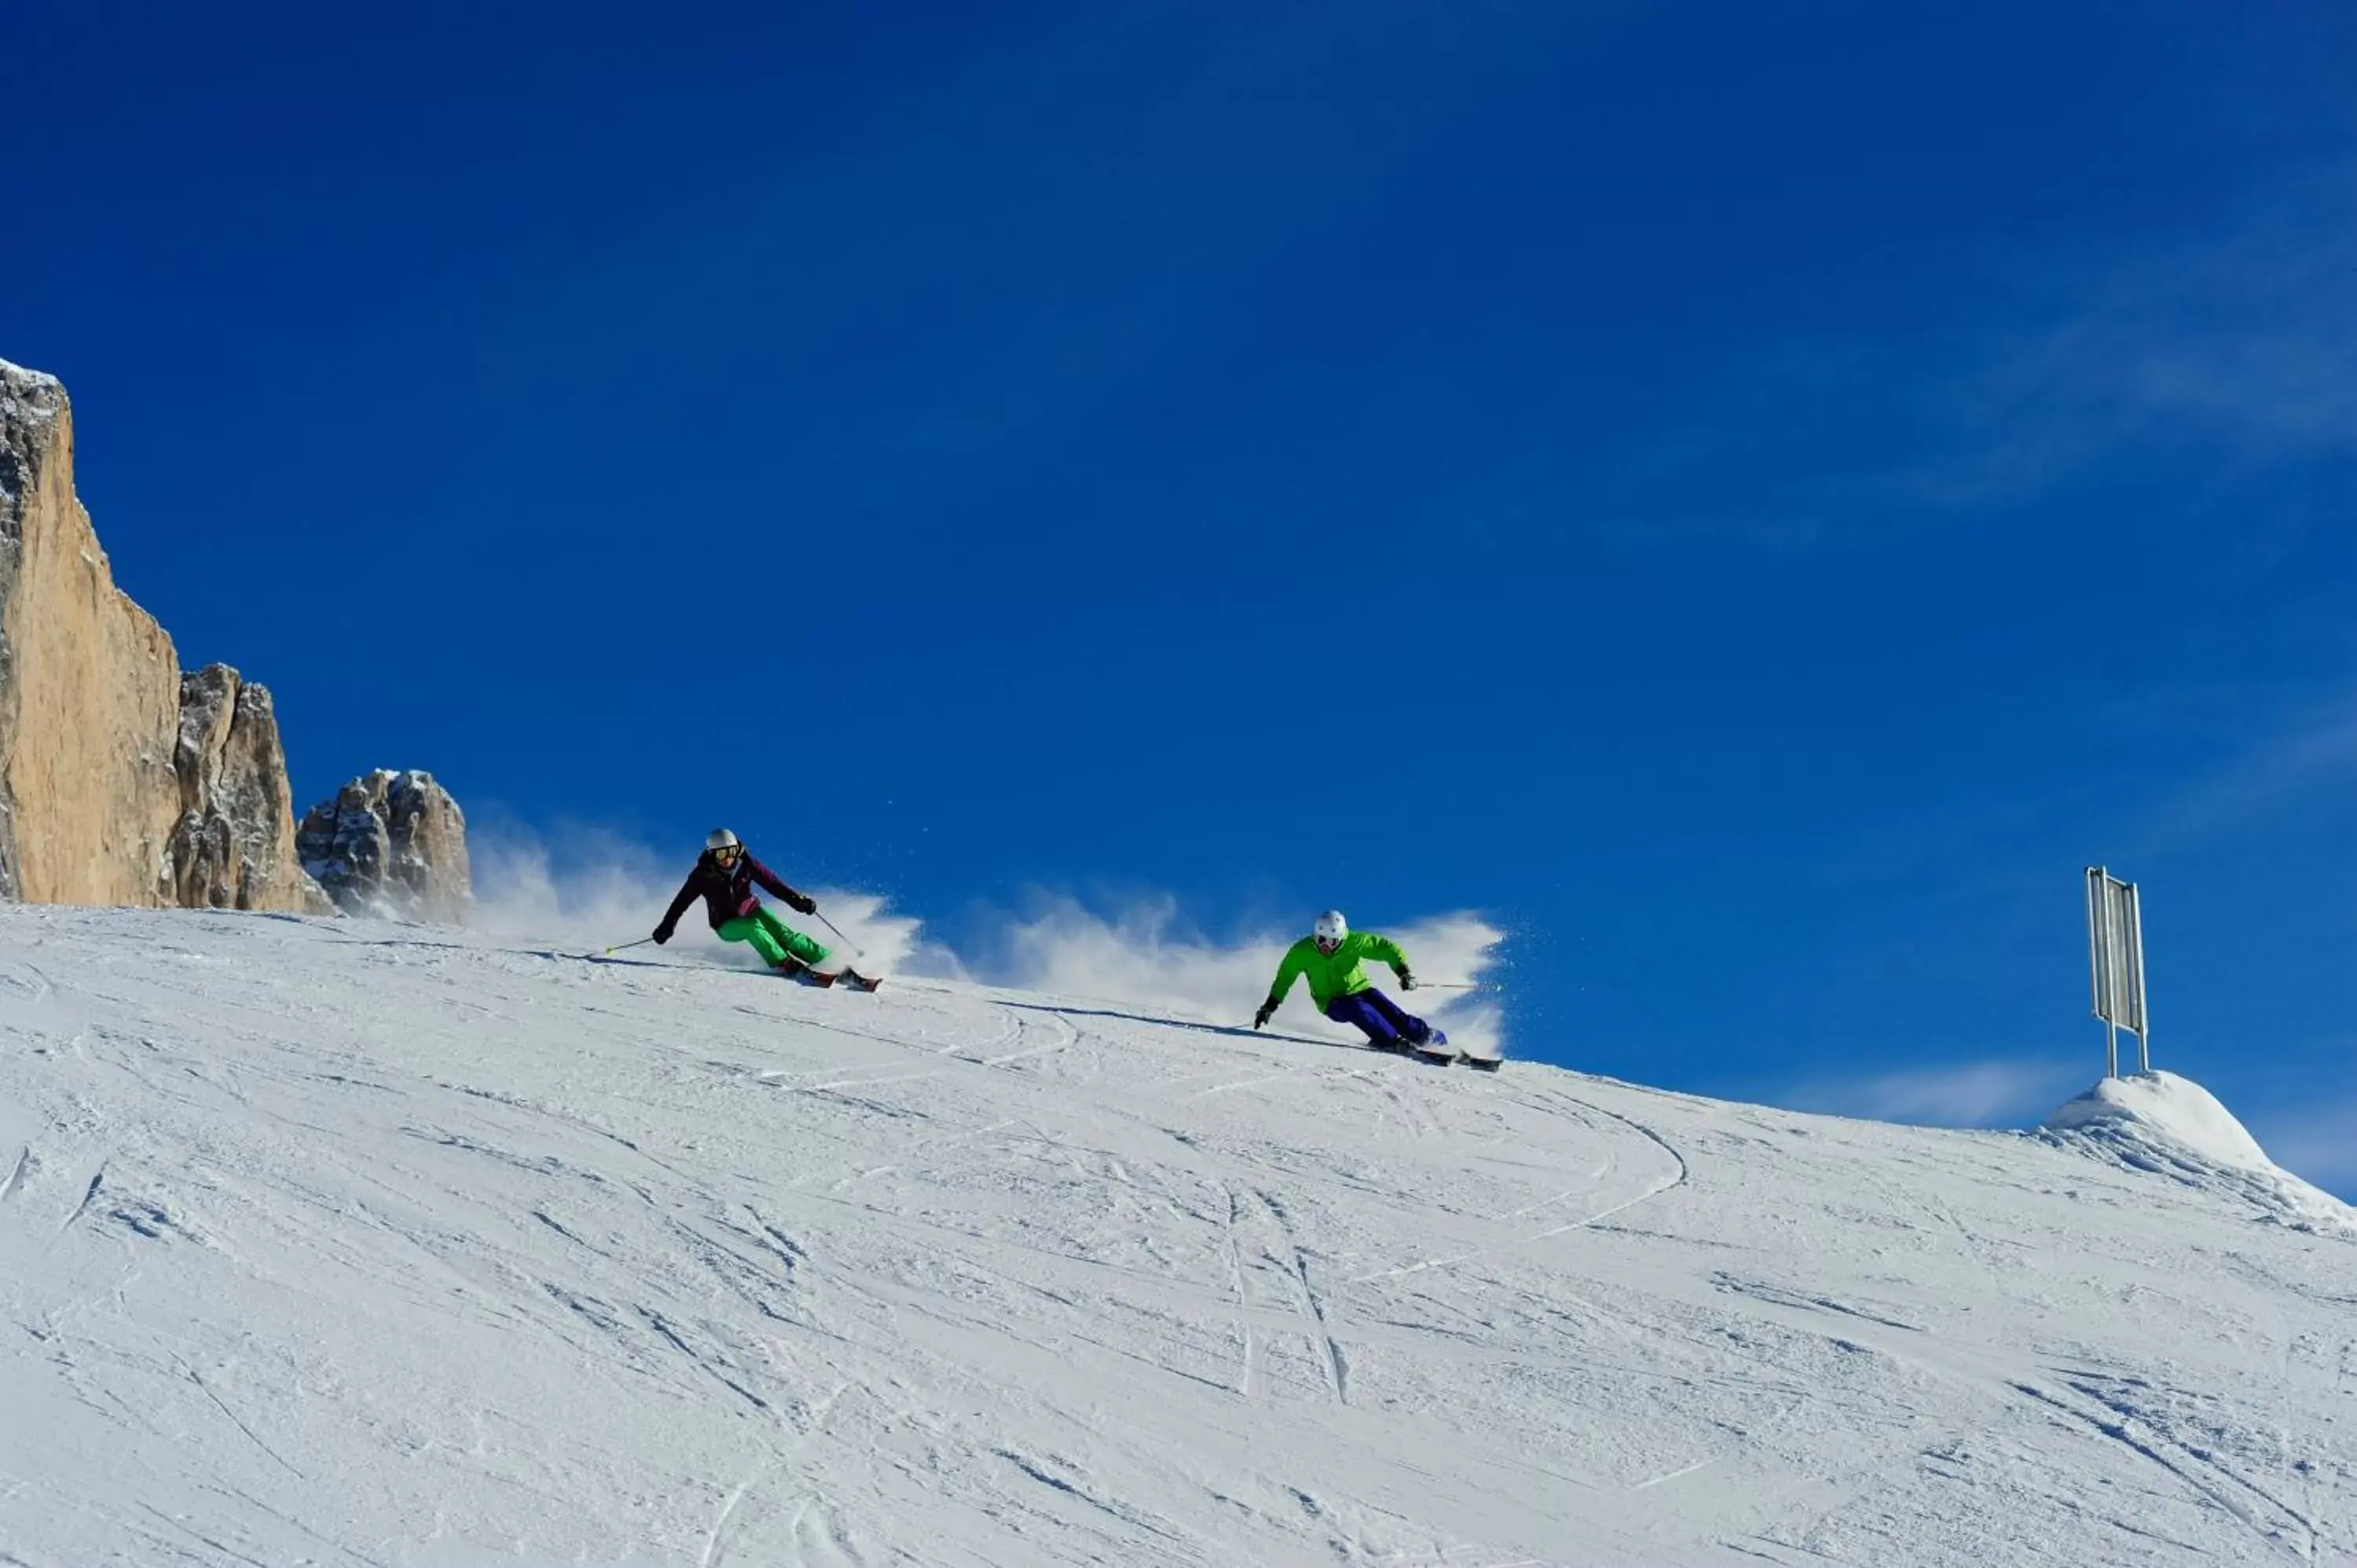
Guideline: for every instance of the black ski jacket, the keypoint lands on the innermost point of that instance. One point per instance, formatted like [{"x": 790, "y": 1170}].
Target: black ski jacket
[{"x": 728, "y": 894}]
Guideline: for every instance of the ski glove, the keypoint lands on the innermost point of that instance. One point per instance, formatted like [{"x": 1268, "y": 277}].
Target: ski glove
[
  {"x": 1407, "y": 981},
  {"x": 662, "y": 935},
  {"x": 1267, "y": 1009},
  {"x": 803, "y": 903}
]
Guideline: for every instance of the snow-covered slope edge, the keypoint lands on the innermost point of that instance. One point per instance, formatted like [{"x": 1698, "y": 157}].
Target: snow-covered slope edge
[
  {"x": 338, "y": 1245},
  {"x": 2172, "y": 1127}
]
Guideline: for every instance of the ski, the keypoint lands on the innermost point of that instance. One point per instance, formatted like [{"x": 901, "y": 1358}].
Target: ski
[
  {"x": 825, "y": 979},
  {"x": 1434, "y": 1048},
  {"x": 822, "y": 979}
]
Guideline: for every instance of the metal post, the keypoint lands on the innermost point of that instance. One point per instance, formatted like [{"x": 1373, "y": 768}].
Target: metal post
[
  {"x": 2111, "y": 975},
  {"x": 2142, "y": 1017},
  {"x": 2095, "y": 874}
]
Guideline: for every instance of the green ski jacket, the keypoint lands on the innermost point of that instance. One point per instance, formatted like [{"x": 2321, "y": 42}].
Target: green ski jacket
[{"x": 1337, "y": 974}]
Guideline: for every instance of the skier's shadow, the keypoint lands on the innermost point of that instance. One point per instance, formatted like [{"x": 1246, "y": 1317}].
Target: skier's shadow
[
  {"x": 616, "y": 962},
  {"x": 1197, "y": 1024}
]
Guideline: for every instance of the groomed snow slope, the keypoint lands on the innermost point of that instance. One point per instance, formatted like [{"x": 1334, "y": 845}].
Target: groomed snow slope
[{"x": 332, "y": 1243}]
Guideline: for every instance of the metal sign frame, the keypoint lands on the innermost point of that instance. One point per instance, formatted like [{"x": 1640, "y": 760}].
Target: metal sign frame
[{"x": 2115, "y": 965}]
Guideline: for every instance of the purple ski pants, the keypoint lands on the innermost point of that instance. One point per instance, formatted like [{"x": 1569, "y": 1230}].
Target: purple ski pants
[{"x": 1379, "y": 1016}]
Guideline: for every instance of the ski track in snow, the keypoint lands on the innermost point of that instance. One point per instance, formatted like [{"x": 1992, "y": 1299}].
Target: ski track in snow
[
  {"x": 711, "y": 1553},
  {"x": 336, "y": 1242}
]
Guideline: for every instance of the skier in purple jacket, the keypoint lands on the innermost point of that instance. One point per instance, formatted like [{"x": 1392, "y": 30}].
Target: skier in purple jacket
[{"x": 724, "y": 878}]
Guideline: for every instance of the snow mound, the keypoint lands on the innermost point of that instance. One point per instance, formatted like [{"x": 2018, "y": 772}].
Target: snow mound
[
  {"x": 2170, "y": 1106},
  {"x": 2172, "y": 1127}
]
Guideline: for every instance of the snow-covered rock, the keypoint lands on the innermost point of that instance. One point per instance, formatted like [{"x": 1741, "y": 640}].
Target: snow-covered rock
[
  {"x": 234, "y": 846},
  {"x": 391, "y": 844},
  {"x": 2172, "y": 1127},
  {"x": 328, "y": 1245}
]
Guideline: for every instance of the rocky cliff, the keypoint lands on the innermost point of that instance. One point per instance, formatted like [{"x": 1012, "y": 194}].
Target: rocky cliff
[
  {"x": 122, "y": 782},
  {"x": 391, "y": 844},
  {"x": 89, "y": 686},
  {"x": 235, "y": 846}
]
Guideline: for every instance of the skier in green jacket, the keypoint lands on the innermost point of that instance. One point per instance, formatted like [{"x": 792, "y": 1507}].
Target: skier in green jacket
[{"x": 1333, "y": 957}]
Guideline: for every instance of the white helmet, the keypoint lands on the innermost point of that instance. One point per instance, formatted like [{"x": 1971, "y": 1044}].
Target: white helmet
[
  {"x": 721, "y": 838},
  {"x": 1332, "y": 927}
]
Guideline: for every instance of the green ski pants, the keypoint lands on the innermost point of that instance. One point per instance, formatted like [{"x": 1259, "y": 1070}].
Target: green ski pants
[{"x": 771, "y": 938}]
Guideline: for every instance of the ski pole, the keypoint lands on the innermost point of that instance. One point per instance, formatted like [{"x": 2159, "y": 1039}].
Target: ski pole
[
  {"x": 625, "y": 947},
  {"x": 858, "y": 952},
  {"x": 1447, "y": 985}
]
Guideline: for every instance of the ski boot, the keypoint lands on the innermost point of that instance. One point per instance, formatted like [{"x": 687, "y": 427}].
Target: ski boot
[{"x": 1434, "y": 1048}]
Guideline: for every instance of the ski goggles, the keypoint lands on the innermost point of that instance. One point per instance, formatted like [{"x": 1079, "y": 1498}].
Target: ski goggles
[
  {"x": 726, "y": 855},
  {"x": 1329, "y": 944}
]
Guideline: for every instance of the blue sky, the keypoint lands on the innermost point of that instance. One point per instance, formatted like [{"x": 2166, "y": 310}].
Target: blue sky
[{"x": 1752, "y": 499}]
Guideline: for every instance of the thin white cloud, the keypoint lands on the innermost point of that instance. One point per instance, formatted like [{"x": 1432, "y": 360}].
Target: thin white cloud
[
  {"x": 1964, "y": 1094},
  {"x": 2244, "y": 344},
  {"x": 2307, "y": 750},
  {"x": 1770, "y": 535},
  {"x": 2317, "y": 1142},
  {"x": 2251, "y": 337},
  {"x": 2241, "y": 342}
]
